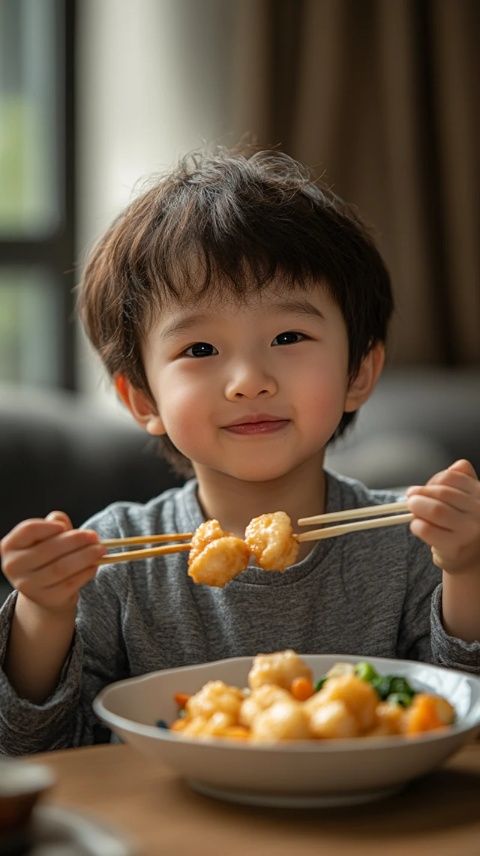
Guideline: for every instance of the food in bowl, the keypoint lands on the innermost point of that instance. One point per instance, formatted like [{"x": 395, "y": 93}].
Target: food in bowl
[
  {"x": 217, "y": 556},
  {"x": 284, "y": 702}
]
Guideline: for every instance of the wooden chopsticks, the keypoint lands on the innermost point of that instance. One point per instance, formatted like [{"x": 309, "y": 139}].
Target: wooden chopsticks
[
  {"x": 144, "y": 553},
  {"x": 147, "y": 539},
  {"x": 376, "y": 513},
  {"x": 359, "y": 519}
]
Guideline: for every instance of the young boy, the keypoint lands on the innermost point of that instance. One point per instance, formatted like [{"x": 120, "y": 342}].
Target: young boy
[{"x": 241, "y": 311}]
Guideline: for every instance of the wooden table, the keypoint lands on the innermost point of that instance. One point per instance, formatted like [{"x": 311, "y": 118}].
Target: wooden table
[{"x": 438, "y": 815}]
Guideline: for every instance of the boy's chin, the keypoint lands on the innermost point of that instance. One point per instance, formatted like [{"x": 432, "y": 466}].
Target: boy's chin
[
  {"x": 258, "y": 473},
  {"x": 256, "y": 470}
]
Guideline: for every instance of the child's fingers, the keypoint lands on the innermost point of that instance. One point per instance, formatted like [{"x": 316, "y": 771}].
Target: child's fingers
[
  {"x": 45, "y": 553},
  {"x": 447, "y": 516},
  {"x": 48, "y": 561},
  {"x": 428, "y": 533},
  {"x": 433, "y": 512},
  {"x": 449, "y": 480},
  {"x": 460, "y": 475},
  {"x": 464, "y": 466},
  {"x": 64, "y": 593},
  {"x": 460, "y": 514},
  {"x": 53, "y": 577},
  {"x": 31, "y": 532},
  {"x": 74, "y": 583},
  {"x": 61, "y": 570},
  {"x": 444, "y": 496},
  {"x": 60, "y": 517},
  {"x": 434, "y": 536}
]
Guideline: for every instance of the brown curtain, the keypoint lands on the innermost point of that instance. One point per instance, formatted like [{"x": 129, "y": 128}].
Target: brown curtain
[{"x": 381, "y": 98}]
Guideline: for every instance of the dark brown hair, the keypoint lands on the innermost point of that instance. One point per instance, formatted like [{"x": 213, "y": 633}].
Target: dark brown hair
[{"x": 226, "y": 221}]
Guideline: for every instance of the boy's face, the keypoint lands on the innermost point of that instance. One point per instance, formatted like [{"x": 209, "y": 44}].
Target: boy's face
[{"x": 250, "y": 389}]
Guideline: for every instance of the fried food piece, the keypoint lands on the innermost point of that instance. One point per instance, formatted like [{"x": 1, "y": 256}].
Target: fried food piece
[
  {"x": 359, "y": 698},
  {"x": 332, "y": 719},
  {"x": 207, "y": 532},
  {"x": 280, "y": 669},
  {"x": 215, "y": 697},
  {"x": 214, "y": 726},
  {"x": 259, "y": 700},
  {"x": 216, "y": 557},
  {"x": 284, "y": 720},
  {"x": 212, "y": 712},
  {"x": 270, "y": 539},
  {"x": 390, "y": 719},
  {"x": 220, "y": 562}
]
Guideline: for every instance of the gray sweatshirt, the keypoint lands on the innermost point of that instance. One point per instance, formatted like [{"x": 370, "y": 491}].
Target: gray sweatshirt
[{"x": 371, "y": 593}]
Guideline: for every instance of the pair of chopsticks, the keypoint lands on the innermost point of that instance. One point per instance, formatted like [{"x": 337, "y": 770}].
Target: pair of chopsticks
[
  {"x": 380, "y": 515},
  {"x": 145, "y": 553},
  {"x": 376, "y": 513}
]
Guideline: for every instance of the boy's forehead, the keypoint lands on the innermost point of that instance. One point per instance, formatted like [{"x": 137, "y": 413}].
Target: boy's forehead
[
  {"x": 221, "y": 296},
  {"x": 178, "y": 313}
]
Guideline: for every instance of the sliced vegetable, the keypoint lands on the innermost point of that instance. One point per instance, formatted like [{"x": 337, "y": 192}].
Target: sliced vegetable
[
  {"x": 386, "y": 685},
  {"x": 181, "y": 699},
  {"x": 302, "y": 688},
  {"x": 365, "y": 672},
  {"x": 403, "y": 699},
  {"x": 320, "y": 683},
  {"x": 429, "y": 712}
]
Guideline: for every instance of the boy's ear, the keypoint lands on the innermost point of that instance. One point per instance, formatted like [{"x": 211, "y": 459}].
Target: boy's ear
[
  {"x": 140, "y": 406},
  {"x": 363, "y": 384}
]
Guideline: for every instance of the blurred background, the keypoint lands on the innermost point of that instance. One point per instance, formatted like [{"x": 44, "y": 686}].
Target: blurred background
[{"x": 379, "y": 97}]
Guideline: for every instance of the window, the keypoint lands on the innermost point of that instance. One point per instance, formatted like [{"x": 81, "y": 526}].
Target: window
[{"x": 37, "y": 191}]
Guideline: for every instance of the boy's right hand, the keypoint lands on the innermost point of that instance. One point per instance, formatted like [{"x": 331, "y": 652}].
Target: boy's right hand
[{"x": 49, "y": 561}]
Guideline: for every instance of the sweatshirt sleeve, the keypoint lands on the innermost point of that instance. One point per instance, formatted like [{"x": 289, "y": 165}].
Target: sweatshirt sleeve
[
  {"x": 26, "y": 727},
  {"x": 423, "y": 636},
  {"x": 448, "y": 650},
  {"x": 97, "y": 657}
]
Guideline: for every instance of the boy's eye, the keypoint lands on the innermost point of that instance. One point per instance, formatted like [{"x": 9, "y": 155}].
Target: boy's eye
[
  {"x": 201, "y": 349},
  {"x": 290, "y": 337}
]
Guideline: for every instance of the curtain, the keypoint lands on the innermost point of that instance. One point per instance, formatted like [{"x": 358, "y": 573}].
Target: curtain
[{"x": 380, "y": 99}]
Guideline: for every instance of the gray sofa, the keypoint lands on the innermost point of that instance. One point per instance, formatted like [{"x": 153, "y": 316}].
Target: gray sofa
[{"x": 59, "y": 451}]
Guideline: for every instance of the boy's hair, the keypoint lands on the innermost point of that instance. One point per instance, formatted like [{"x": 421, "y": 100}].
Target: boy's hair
[{"x": 221, "y": 222}]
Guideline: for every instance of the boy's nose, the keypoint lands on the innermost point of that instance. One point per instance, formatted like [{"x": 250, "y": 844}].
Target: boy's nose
[{"x": 250, "y": 382}]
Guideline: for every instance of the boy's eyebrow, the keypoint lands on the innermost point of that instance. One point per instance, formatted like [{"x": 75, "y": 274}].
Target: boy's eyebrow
[
  {"x": 299, "y": 306},
  {"x": 185, "y": 322}
]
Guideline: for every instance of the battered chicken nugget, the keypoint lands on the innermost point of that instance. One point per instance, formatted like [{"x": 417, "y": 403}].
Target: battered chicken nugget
[
  {"x": 259, "y": 700},
  {"x": 215, "y": 697},
  {"x": 358, "y": 696},
  {"x": 280, "y": 669},
  {"x": 270, "y": 539},
  {"x": 207, "y": 532},
  {"x": 218, "y": 561},
  {"x": 284, "y": 720}
]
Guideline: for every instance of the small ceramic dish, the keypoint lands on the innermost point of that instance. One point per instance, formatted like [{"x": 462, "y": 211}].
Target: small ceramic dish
[{"x": 22, "y": 785}]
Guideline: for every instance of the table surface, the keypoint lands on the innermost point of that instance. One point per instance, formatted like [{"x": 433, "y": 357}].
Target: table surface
[{"x": 438, "y": 815}]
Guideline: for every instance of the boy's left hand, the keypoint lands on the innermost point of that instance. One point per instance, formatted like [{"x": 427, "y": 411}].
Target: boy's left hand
[{"x": 447, "y": 517}]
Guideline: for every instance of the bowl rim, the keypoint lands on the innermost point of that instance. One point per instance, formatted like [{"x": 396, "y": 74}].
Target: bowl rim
[{"x": 467, "y": 725}]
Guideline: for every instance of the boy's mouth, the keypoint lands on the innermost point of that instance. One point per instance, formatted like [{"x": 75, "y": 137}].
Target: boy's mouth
[{"x": 257, "y": 424}]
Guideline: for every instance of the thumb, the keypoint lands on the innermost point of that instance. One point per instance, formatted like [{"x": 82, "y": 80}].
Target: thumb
[
  {"x": 463, "y": 466},
  {"x": 60, "y": 517}
]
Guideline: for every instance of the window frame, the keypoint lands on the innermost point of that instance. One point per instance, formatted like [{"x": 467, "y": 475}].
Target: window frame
[{"x": 54, "y": 252}]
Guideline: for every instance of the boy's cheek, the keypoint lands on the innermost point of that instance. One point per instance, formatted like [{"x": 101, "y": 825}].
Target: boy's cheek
[
  {"x": 186, "y": 424},
  {"x": 326, "y": 408}
]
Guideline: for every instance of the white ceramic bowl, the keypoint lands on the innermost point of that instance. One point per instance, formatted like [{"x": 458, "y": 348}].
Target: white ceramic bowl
[{"x": 297, "y": 773}]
